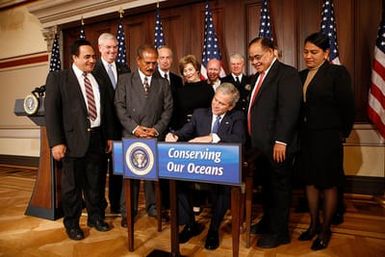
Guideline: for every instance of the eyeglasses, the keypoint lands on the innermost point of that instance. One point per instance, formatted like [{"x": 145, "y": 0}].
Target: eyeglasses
[{"x": 257, "y": 57}]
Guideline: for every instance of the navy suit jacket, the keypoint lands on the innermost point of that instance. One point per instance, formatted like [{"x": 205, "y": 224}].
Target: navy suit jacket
[
  {"x": 66, "y": 115},
  {"x": 231, "y": 129}
]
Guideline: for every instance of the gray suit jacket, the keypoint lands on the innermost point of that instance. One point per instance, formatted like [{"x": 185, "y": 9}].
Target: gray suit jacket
[{"x": 135, "y": 109}]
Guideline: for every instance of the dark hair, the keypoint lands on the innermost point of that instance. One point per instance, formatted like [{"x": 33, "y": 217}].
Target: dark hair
[
  {"x": 77, "y": 44},
  {"x": 265, "y": 42},
  {"x": 319, "y": 39},
  {"x": 145, "y": 48}
]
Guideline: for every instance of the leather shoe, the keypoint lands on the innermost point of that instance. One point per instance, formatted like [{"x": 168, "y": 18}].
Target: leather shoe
[
  {"x": 321, "y": 242},
  {"x": 152, "y": 212},
  {"x": 75, "y": 233},
  {"x": 99, "y": 225},
  {"x": 260, "y": 228},
  {"x": 308, "y": 235},
  {"x": 212, "y": 240},
  {"x": 123, "y": 223},
  {"x": 273, "y": 240},
  {"x": 190, "y": 231}
]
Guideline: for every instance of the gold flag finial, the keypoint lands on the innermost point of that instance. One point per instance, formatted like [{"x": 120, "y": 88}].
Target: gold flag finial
[{"x": 121, "y": 12}]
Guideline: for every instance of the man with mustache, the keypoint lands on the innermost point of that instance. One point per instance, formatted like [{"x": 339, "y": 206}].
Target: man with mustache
[{"x": 144, "y": 107}]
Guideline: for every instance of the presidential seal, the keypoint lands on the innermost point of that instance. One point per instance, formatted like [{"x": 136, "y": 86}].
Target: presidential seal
[
  {"x": 139, "y": 158},
  {"x": 31, "y": 104}
]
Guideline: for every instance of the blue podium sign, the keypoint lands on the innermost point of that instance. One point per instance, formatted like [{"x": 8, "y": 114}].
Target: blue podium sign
[
  {"x": 208, "y": 163},
  {"x": 139, "y": 158},
  {"x": 117, "y": 158}
]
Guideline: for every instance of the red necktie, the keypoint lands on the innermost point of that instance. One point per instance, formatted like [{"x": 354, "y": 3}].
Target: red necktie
[
  {"x": 90, "y": 98},
  {"x": 261, "y": 76}
]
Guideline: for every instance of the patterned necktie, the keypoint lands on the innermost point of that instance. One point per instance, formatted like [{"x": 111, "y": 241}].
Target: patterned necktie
[
  {"x": 237, "y": 80},
  {"x": 146, "y": 86},
  {"x": 111, "y": 75},
  {"x": 216, "y": 124},
  {"x": 90, "y": 98},
  {"x": 261, "y": 76}
]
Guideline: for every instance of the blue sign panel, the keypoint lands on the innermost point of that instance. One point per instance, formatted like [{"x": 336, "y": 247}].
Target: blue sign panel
[
  {"x": 117, "y": 158},
  {"x": 209, "y": 163},
  {"x": 139, "y": 157}
]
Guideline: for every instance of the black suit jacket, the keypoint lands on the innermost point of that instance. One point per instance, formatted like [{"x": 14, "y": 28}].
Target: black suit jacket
[
  {"x": 101, "y": 75},
  {"x": 66, "y": 114},
  {"x": 231, "y": 129},
  {"x": 244, "y": 89},
  {"x": 329, "y": 99},
  {"x": 275, "y": 112}
]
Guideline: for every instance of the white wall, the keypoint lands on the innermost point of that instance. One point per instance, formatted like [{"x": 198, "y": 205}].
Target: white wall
[{"x": 20, "y": 38}]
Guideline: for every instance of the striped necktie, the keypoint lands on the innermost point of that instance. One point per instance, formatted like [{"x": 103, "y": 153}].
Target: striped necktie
[{"x": 90, "y": 98}]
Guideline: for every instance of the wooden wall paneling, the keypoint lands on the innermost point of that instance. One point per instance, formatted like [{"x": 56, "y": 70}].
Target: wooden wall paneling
[
  {"x": 173, "y": 31},
  {"x": 136, "y": 37},
  {"x": 252, "y": 26},
  {"x": 309, "y": 20},
  {"x": 367, "y": 18},
  {"x": 285, "y": 28},
  {"x": 234, "y": 31},
  {"x": 218, "y": 14}
]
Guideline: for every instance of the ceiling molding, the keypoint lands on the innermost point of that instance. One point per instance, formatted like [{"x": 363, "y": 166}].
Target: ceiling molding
[{"x": 57, "y": 12}]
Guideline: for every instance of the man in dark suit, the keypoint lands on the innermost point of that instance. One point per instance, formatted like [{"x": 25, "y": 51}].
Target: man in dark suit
[
  {"x": 220, "y": 123},
  {"x": 77, "y": 117},
  {"x": 144, "y": 106},
  {"x": 165, "y": 60},
  {"x": 239, "y": 80},
  {"x": 107, "y": 71},
  {"x": 213, "y": 73},
  {"x": 272, "y": 124}
]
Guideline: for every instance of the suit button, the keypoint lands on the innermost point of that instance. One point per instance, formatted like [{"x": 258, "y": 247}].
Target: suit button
[{"x": 89, "y": 129}]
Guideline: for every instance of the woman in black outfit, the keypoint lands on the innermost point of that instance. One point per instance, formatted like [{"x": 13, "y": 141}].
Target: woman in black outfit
[
  {"x": 327, "y": 119},
  {"x": 194, "y": 94}
]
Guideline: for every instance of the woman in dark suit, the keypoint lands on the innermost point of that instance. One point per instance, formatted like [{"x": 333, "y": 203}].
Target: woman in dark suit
[{"x": 327, "y": 119}]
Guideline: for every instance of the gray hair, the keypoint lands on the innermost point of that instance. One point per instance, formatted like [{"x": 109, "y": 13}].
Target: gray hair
[
  {"x": 229, "y": 89},
  {"x": 237, "y": 56},
  {"x": 106, "y": 36}
]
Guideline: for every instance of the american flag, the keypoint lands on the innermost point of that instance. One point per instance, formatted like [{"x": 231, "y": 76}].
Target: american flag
[
  {"x": 158, "y": 34},
  {"x": 328, "y": 27},
  {"x": 376, "y": 101},
  {"x": 265, "y": 27},
  {"x": 210, "y": 45},
  {"x": 120, "y": 36},
  {"x": 55, "y": 64},
  {"x": 82, "y": 30}
]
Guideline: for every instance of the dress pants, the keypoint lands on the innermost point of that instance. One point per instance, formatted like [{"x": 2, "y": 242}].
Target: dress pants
[
  {"x": 114, "y": 187},
  {"x": 276, "y": 193},
  {"x": 149, "y": 195},
  {"x": 220, "y": 198},
  {"x": 81, "y": 176}
]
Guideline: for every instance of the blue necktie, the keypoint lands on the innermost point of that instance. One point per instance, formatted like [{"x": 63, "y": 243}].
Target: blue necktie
[
  {"x": 216, "y": 125},
  {"x": 111, "y": 75}
]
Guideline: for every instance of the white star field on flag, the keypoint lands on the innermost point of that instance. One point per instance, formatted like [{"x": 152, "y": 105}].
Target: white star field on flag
[{"x": 328, "y": 27}]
